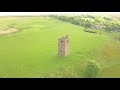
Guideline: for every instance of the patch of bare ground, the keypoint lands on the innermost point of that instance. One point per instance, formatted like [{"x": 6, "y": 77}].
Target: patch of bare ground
[{"x": 8, "y": 31}]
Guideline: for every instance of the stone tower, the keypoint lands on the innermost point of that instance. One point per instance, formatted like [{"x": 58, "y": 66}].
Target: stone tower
[{"x": 63, "y": 46}]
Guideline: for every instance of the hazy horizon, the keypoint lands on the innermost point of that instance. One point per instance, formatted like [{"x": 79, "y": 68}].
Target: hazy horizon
[{"x": 52, "y": 13}]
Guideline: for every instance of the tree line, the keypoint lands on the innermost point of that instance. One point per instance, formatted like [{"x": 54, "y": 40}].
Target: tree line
[{"x": 91, "y": 21}]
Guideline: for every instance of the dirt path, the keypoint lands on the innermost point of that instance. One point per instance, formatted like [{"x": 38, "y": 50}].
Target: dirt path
[{"x": 8, "y": 31}]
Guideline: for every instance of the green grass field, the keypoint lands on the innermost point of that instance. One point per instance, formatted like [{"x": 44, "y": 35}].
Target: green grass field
[{"x": 33, "y": 52}]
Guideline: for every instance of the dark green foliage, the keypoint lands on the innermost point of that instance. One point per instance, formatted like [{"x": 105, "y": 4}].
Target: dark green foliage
[
  {"x": 108, "y": 18},
  {"x": 91, "y": 16},
  {"x": 92, "y": 69},
  {"x": 106, "y": 23},
  {"x": 86, "y": 30}
]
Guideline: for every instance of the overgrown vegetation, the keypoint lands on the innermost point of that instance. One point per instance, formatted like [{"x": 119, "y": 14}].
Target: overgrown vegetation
[
  {"x": 92, "y": 21},
  {"x": 90, "y": 31},
  {"x": 92, "y": 70}
]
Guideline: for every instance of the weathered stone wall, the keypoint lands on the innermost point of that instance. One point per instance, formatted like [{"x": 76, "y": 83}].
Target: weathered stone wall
[{"x": 63, "y": 46}]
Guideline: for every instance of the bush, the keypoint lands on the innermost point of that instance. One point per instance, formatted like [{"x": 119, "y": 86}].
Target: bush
[
  {"x": 106, "y": 23},
  {"x": 108, "y": 18},
  {"x": 90, "y": 31},
  {"x": 92, "y": 70}
]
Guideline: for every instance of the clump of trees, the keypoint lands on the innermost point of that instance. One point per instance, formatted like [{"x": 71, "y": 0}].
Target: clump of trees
[
  {"x": 90, "y": 21},
  {"x": 107, "y": 18},
  {"x": 92, "y": 70}
]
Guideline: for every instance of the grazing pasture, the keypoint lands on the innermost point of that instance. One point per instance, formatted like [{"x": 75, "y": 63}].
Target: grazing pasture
[{"x": 33, "y": 52}]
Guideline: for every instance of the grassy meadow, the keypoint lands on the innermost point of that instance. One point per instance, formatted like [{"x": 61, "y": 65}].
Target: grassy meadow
[{"x": 33, "y": 52}]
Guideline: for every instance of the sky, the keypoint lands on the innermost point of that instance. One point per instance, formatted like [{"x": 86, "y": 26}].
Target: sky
[{"x": 49, "y": 13}]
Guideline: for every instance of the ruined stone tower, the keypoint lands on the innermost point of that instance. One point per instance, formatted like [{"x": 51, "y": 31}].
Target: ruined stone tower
[{"x": 63, "y": 46}]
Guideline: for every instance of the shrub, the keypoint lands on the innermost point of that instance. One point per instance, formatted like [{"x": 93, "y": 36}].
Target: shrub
[
  {"x": 106, "y": 23},
  {"x": 92, "y": 70},
  {"x": 90, "y": 31}
]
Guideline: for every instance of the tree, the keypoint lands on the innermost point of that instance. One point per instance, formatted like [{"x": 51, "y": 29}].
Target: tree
[
  {"x": 92, "y": 70},
  {"x": 107, "y": 23}
]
